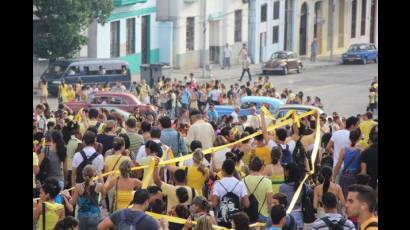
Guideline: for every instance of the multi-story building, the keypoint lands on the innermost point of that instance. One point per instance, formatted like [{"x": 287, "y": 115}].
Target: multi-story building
[
  {"x": 266, "y": 28},
  {"x": 200, "y": 29},
  {"x": 131, "y": 33}
]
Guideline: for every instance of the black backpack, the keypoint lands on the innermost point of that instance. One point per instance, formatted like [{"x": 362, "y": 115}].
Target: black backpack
[
  {"x": 253, "y": 210},
  {"x": 334, "y": 225},
  {"x": 44, "y": 166},
  {"x": 286, "y": 157},
  {"x": 86, "y": 161},
  {"x": 229, "y": 204},
  {"x": 307, "y": 205}
]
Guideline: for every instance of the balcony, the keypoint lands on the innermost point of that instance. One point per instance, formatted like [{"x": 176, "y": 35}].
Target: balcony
[{"x": 118, "y": 3}]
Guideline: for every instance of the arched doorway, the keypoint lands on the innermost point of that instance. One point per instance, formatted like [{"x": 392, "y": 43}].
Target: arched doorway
[
  {"x": 303, "y": 29},
  {"x": 317, "y": 30}
]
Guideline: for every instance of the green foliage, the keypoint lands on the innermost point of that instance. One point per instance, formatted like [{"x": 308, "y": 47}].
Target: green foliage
[{"x": 57, "y": 32}]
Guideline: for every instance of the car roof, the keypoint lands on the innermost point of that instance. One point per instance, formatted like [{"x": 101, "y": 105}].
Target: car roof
[
  {"x": 261, "y": 99},
  {"x": 109, "y": 93},
  {"x": 300, "y": 107},
  {"x": 92, "y": 61}
]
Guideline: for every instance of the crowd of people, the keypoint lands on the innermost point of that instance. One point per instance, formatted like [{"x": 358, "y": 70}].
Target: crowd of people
[{"x": 254, "y": 181}]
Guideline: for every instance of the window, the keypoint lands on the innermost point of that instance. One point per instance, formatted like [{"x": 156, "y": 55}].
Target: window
[
  {"x": 130, "y": 45},
  {"x": 264, "y": 12},
  {"x": 115, "y": 39},
  {"x": 238, "y": 25},
  {"x": 275, "y": 34},
  {"x": 353, "y": 26},
  {"x": 190, "y": 24},
  {"x": 363, "y": 18},
  {"x": 276, "y": 7}
]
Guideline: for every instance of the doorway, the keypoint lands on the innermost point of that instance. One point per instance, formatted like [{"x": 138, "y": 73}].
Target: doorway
[
  {"x": 145, "y": 39},
  {"x": 372, "y": 21},
  {"x": 303, "y": 29}
]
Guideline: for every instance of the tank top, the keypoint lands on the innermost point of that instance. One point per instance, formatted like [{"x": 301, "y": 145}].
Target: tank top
[
  {"x": 195, "y": 179},
  {"x": 354, "y": 167},
  {"x": 52, "y": 217},
  {"x": 264, "y": 154},
  {"x": 123, "y": 199},
  {"x": 88, "y": 206},
  {"x": 55, "y": 166},
  {"x": 277, "y": 180}
]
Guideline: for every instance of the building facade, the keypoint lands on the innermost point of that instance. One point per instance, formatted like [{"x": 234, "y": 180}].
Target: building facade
[
  {"x": 201, "y": 28},
  {"x": 131, "y": 33},
  {"x": 336, "y": 24},
  {"x": 266, "y": 28}
]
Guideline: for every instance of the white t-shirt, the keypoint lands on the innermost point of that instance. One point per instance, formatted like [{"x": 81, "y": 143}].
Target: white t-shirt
[
  {"x": 340, "y": 140},
  {"x": 227, "y": 52},
  {"x": 141, "y": 152},
  {"x": 291, "y": 145},
  {"x": 220, "y": 157},
  {"x": 215, "y": 94},
  {"x": 229, "y": 183},
  {"x": 235, "y": 117},
  {"x": 98, "y": 162}
]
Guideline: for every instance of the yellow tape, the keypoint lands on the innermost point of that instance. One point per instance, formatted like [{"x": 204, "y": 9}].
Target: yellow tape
[
  {"x": 147, "y": 178},
  {"x": 312, "y": 170},
  {"x": 78, "y": 115},
  {"x": 267, "y": 113}
]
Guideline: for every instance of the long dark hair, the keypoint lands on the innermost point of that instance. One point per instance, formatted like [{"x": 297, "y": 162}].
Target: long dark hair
[
  {"x": 57, "y": 138},
  {"x": 326, "y": 173},
  {"x": 69, "y": 130},
  {"x": 293, "y": 175}
]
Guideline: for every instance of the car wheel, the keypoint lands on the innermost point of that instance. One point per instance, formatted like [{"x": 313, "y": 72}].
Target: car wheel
[
  {"x": 364, "y": 61},
  {"x": 300, "y": 67},
  {"x": 285, "y": 70}
]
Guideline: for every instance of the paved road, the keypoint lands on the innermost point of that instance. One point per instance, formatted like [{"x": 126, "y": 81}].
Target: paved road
[{"x": 342, "y": 88}]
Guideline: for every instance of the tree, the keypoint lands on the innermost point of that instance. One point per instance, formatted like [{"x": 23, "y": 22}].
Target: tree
[{"x": 57, "y": 32}]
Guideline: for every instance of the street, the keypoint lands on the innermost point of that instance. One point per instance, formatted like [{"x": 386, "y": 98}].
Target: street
[{"x": 342, "y": 88}]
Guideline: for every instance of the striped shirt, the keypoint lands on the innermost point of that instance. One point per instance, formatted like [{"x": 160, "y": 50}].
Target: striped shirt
[{"x": 319, "y": 224}]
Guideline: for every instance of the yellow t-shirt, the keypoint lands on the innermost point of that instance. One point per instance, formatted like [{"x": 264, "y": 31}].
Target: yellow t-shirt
[
  {"x": 367, "y": 222},
  {"x": 35, "y": 163},
  {"x": 264, "y": 187},
  {"x": 146, "y": 161},
  {"x": 196, "y": 179},
  {"x": 114, "y": 160},
  {"x": 63, "y": 92},
  {"x": 365, "y": 128},
  {"x": 90, "y": 123},
  {"x": 264, "y": 154},
  {"x": 52, "y": 216},
  {"x": 170, "y": 191}
]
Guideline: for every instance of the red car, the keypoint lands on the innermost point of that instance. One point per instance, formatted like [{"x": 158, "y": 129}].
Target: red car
[{"x": 124, "y": 101}]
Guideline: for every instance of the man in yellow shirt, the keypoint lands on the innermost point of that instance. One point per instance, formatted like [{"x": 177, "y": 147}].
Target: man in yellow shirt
[
  {"x": 171, "y": 190},
  {"x": 365, "y": 128},
  {"x": 361, "y": 202},
  {"x": 91, "y": 121}
]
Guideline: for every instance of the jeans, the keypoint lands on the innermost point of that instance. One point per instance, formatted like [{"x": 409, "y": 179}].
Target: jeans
[
  {"x": 227, "y": 63},
  {"x": 298, "y": 215},
  {"x": 89, "y": 222},
  {"x": 249, "y": 74},
  {"x": 265, "y": 219}
]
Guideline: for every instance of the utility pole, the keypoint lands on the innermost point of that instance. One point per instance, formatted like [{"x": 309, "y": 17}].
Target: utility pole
[
  {"x": 332, "y": 8},
  {"x": 203, "y": 53}
]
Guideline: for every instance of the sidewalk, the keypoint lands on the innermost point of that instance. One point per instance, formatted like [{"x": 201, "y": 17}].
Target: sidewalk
[{"x": 236, "y": 70}]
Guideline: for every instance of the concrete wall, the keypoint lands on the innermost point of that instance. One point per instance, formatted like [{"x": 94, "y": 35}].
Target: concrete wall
[{"x": 257, "y": 27}]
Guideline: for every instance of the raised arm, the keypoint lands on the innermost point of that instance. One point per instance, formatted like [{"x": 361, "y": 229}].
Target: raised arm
[{"x": 157, "y": 179}]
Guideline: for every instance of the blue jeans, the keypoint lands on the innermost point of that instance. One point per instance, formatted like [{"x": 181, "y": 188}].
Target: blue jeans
[
  {"x": 88, "y": 222},
  {"x": 227, "y": 62},
  {"x": 265, "y": 219},
  {"x": 298, "y": 215}
]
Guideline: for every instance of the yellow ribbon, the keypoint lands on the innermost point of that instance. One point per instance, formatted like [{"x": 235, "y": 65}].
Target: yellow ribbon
[
  {"x": 267, "y": 113},
  {"x": 145, "y": 181},
  {"x": 78, "y": 115},
  {"x": 312, "y": 170}
]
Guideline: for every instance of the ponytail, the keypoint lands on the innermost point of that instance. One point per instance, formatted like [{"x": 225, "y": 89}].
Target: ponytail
[
  {"x": 198, "y": 157},
  {"x": 88, "y": 174},
  {"x": 327, "y": 174}
]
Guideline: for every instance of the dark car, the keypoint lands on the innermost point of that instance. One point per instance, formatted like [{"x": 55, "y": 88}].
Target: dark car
[
  {"x": 89, "y": 71},
  {"x": 282, "y": 61},
  {"x": 360, "y": 53}
]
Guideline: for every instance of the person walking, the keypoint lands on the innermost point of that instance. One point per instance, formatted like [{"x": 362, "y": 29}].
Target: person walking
[
  {"x": 227, "y": 57},
  {"x": 313, "y": 47},
  {"x": 245, "y": 67}
]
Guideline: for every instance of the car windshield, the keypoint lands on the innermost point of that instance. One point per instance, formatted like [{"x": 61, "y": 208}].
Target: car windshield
[
  {"x": 279, "y": 55},
  {"x": 357, "y": 47},
  {"x": 56, "y": 70}
]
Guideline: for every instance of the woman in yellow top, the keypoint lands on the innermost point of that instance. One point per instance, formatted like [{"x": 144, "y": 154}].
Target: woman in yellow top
[
  {"x": 275, "y": 170},
  {"x": 54, "y": 211},
  {"x": 261, "y": 147},
  {"x": 197, "y": 174},
  {"x": 246, "y": 148},
  {"x": 70, "y": 93},
  {"x": 124, "y": 187},
  {"x": 62, "y": 91},
  {"x": 42, "y": 85}
]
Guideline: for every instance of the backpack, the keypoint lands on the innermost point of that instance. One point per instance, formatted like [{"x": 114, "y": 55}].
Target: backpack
[
  {"x": 291, "y": 225},
  {"x": 286, "y": 155},
  {"x": 307, "y": 205},
  {"x": 44, "y": 166},
  {"x": 228, "y": 205},
  {"x": 253, "y": 210},
  {"x": 372, "y": 224},
  {"x": 334, "y": 225},
  {"x": 129, "y": 222},
  {"x": 86, "y": 161}
]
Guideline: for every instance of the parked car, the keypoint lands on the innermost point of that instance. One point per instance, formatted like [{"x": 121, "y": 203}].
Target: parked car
[
  {"x": 283, "y": 61},
  {"x": 89, "y": 71},
  {"x": 246, "y": 102},
  {"x": 123, "y": 113},
  {"x": 361, "y": 53},
  {"x": 123, "y": 101},
  {"x": 283, "y": 110}
]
